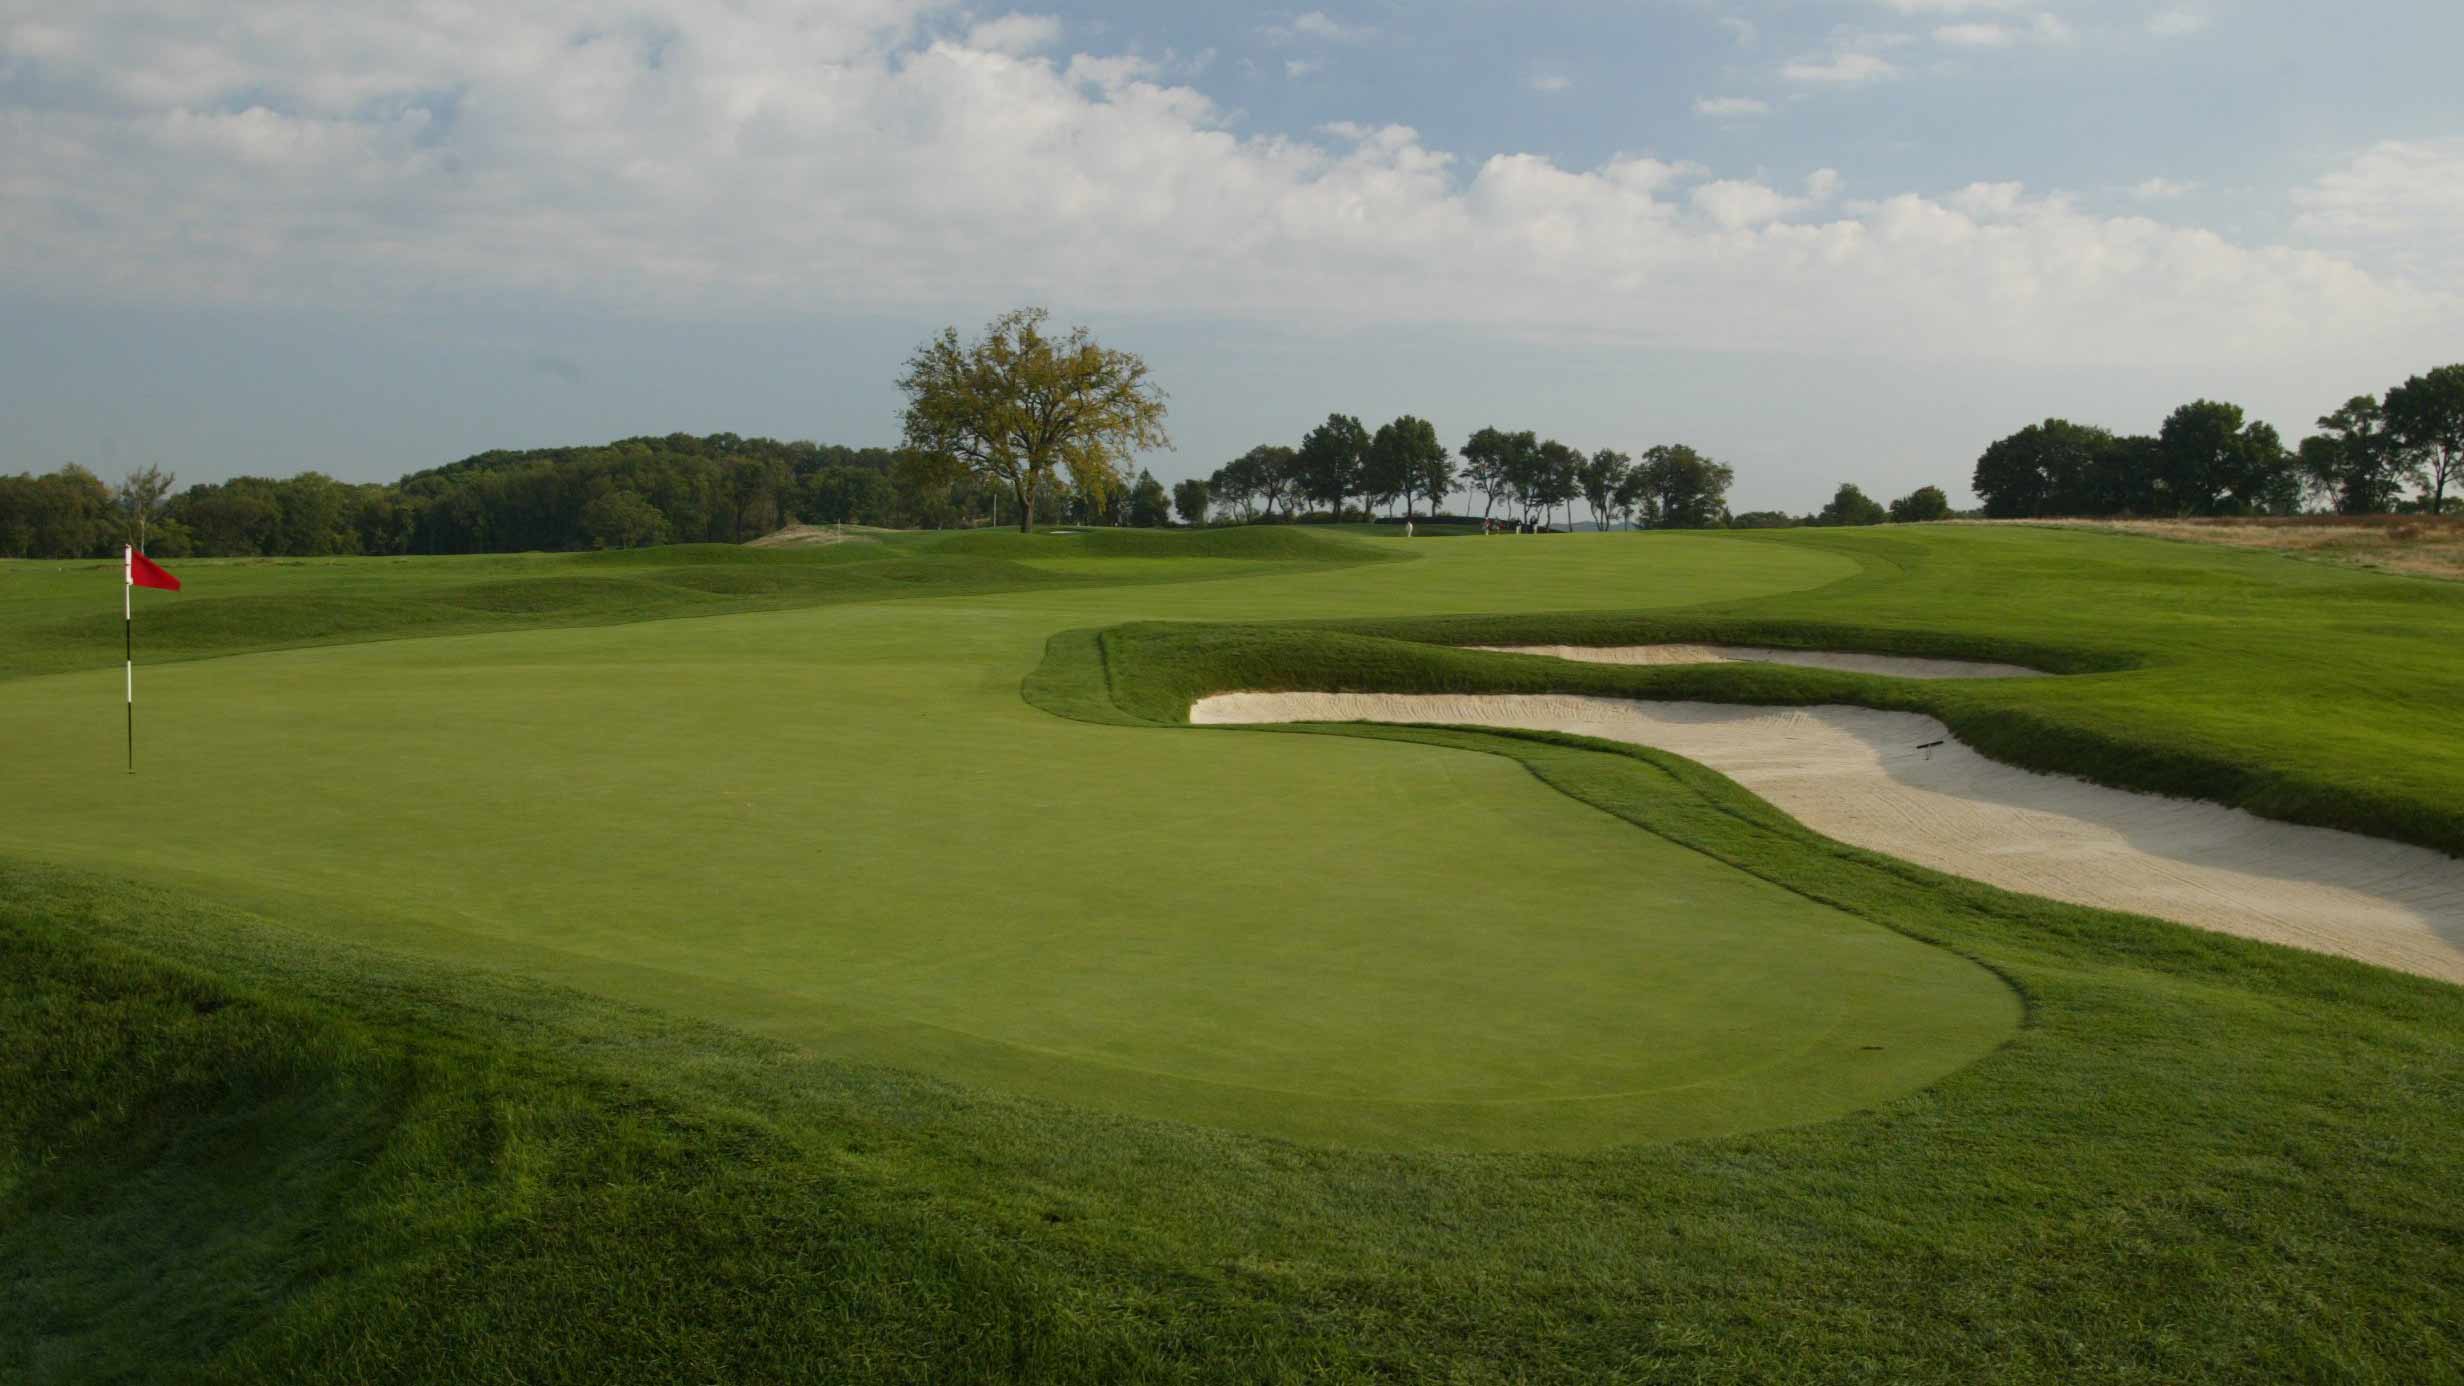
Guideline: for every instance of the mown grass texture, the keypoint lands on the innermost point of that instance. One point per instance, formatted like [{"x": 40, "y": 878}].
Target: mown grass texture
[{"x": 2199, "y": 1158}]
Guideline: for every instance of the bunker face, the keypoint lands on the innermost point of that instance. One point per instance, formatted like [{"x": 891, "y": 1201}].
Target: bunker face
[
  {"x": 1858, "y": 776},
  {"x": 1897, "y": 666}
]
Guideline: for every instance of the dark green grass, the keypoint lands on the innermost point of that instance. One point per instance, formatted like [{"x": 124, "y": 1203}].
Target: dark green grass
[
  {"x": 229, "y": 1151},
  {"x": 245, "y": 1154}
]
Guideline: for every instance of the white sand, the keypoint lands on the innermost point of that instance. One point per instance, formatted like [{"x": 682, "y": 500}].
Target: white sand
[
  {"x": 1901, "y": 666},
  {"x": 808, "y": 537},
  {"x": 1856, "y": 775}
]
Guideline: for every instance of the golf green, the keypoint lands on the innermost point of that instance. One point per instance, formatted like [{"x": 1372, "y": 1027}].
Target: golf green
[{"x": 842, "y": 826}]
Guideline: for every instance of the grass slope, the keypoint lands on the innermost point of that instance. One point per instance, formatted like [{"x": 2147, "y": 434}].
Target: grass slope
[
  {"x": 2198, "y": 1158},
  {"x": 2295, "y": 690},
  {"x": 61, "y": 616}
]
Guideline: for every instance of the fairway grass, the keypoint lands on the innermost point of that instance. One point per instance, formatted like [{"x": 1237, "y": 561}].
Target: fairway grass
[
  {"x": 590, "y": 995},
  {"x": 842, "y": 827}
]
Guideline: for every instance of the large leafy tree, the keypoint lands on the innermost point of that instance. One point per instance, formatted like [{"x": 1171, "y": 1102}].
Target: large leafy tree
[
  {"x": 1921, "y": 505},
  {"x": 1236, "y": 483},
  {"x": 1020, "y": 404},
  {"x": 1679, "y": 488},
  {"x": 2213, "y": 463},
  {"x": 2426, "y": 416},
  {"x": 1436, "y": 479},
  {"x": 1851, "y": 506},
  {"x": 1275, "y": 472},
  {"x": 1554, "y": 477},
  {"x": 1494, "y": 461},
  {"x": 1150, "y": 506},
  {"x": 622, "y": 520},
  {"x": 2048, "y": 468},
  {"x": 1190, "y": 497},
  {"x": 2356, "y": 464},
  {"x": 1400, "y": 457},
  {"x": 1603, "y": 477},
  {"x": 1330, "y": 461}
]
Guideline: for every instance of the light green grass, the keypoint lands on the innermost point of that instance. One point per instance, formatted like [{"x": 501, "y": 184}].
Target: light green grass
[
  {"x": 843, "y": 827},
  {"x": 239, "y": 1143}
]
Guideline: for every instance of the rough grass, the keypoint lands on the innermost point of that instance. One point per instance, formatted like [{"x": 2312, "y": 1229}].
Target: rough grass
[{"x": 2422, "y": 545}]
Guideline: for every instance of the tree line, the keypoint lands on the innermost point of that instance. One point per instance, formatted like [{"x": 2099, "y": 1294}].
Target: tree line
[
  {"x": 2372, "y": 456},
  {"x": 674, "y": 489},
  {"x": 1403, "y": 463}
]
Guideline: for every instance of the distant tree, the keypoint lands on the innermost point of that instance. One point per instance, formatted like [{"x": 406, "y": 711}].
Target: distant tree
[
  {"x": 1277, "y": 473},
  {"x": 2426, "y": 416},
  {"x": 1436, "y": 479},
  {"x": 2051, "y": 468},
  {"x": 1763, "y": 519},
  {"x": 1399, "y": 458},
  {"x": 2212, "y": 463},
  {"x": 239, "y": 518},
  {"x": 1680, "y": 488},
  {"x": 140, "y": 495},
  {"x": 1493, "y": 462},
  {"x": 1235, "y": 483},
  {"x": 64, "y": 514},
  {"x": 1018, "y": 405},
  {"x": 1190, "y": 498},
  {"x": 2357, "y": 466},
  {"x": 1921, "y": 505},
  {"x": 1150, "y": 506},
  {"x": 1851, "y": 506},
  {"x": 1330, "y": 461},
  {"x": 845, "y": 495},
  {"x": 925, "y": 488},
  {"x": 1554, "y": 478},
  {"x": 1603, "y": 476},
  {"x": 622, "y": 520}
]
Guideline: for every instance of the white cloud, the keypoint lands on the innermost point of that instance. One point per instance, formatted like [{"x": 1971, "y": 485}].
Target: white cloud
[
  {"x": 1977, "y": 35},
  {"x": 1949, "y": 6},
  {"x": 1296, "y": 68},
  {"x": 1320, "y": 27},
  {"x": 1551, "y": 83},
  {"x": 1729, "y": 107},
  {"x": 759, "y": 157},
  {"x": 2398, "y": 202},
  {"x": 1741, "y": 30},
  {"x": 2046, "y": 29},
  {"x": 1016, "y": 33},
  {"x": 2177, "y": 22},
  {"x": 1841, "y": 69},
  {"x": 2160, "y": 189}
]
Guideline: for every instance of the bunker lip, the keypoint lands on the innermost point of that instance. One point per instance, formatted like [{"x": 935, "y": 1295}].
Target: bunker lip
[
  {"x": 1848, "y": 661},
  {"x": 1901, "y": 784}
]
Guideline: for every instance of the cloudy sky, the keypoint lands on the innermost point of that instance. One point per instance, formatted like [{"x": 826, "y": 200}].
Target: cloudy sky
[{"x": 1823, "y": 239}]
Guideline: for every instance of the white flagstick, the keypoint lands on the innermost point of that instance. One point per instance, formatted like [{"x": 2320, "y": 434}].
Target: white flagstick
[{"x": 128, "y": 636}]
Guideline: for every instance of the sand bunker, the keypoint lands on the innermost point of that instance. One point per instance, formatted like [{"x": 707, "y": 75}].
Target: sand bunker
[
  {"x": 1899, "y": 666},
  {"x": 809, "y": 537},
  {"x": 1858, "y": 776}
]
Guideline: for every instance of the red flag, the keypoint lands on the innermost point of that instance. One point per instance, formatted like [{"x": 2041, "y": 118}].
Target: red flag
[{"x": 145, "y": 572}]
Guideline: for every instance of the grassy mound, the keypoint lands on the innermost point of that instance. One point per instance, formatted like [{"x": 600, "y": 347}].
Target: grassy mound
[{"x": 66, "y": 616}]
